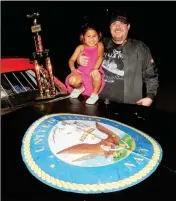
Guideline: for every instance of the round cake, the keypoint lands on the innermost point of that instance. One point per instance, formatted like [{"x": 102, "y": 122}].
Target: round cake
[{"x": 88, "y": 154}]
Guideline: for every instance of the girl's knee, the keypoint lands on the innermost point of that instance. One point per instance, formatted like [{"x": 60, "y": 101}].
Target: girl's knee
[
  {"x": 97, "y": 77},
  {"x": 74, "y": 80}
]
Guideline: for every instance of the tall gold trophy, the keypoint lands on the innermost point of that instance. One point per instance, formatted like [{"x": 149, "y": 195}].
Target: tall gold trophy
[{"x": 42, "y": 62}]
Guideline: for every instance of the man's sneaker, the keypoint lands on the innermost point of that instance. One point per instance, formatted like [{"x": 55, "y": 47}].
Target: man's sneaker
[
  {"x": 76, "y": 92},
  {"x": 92, "y": 99}
]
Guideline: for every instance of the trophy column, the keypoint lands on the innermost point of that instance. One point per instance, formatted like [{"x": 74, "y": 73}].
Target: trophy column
[{"x": 42, "y": 62}]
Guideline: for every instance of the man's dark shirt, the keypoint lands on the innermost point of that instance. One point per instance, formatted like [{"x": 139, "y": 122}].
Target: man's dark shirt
[
  {"x": 127, "y": 68},
  {"x": 114, "y": 73}
]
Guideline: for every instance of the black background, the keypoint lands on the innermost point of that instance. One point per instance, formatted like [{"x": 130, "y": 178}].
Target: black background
[{"x": 151, "y": 22}]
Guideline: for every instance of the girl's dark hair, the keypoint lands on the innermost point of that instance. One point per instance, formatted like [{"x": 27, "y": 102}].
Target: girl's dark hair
[{"x": 88, "y": 26}]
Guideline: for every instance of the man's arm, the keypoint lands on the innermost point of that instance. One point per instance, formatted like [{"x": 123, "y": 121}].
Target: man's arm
[{"x": 149, "y": 73}]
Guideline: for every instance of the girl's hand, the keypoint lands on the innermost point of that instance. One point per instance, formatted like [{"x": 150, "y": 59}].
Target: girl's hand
[{"x": 95, "y": 73}]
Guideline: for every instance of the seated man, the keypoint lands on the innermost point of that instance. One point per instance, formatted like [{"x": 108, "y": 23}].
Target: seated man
[{"x": 128, "y": 66}]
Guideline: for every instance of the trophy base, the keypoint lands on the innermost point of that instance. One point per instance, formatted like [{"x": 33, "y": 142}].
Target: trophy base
[
  {"x": 45, "y": 97},
  {"x": 50, "y": 97}
]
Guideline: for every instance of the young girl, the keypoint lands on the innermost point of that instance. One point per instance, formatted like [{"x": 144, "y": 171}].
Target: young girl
[{"x": 88, "y": 80}]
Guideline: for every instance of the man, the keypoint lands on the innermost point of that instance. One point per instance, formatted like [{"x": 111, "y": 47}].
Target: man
[{"x": 128, "y": 66}]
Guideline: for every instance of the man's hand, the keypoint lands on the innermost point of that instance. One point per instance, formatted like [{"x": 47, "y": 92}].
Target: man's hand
[
  {"x": 82, "y": 60},
  {"x": 145, "y": 102}
]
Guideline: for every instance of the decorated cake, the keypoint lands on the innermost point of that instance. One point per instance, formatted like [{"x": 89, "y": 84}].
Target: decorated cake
[{"x": 86, "y": 154}]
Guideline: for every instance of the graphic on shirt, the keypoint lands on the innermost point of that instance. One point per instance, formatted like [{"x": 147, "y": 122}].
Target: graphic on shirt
[{"x": 114, "y": 65}]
